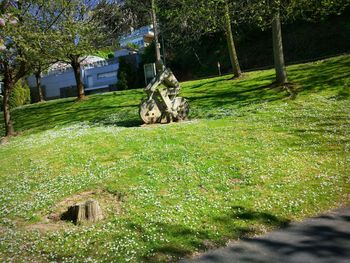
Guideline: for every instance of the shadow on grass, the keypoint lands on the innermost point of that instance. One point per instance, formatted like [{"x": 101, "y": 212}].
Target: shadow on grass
[
  {"x": 122, "y": 109},
  {"x": 184, "y": 241},
  {"x": 212, "y": 81},
  {"x": 314, "y": 133},
  {"x": 103, "y": 109},
  {"x": 321, "y": 239},
  {"x": 331, "y": 74},
  {"x": 206, "y": 97}
]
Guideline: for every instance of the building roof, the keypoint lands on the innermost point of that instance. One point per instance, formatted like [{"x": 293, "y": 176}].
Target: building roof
[{"x": 62, "y": 66}]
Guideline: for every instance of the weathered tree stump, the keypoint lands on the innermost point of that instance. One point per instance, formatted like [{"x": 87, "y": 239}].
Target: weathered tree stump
[{"x": 90, "y": 211}]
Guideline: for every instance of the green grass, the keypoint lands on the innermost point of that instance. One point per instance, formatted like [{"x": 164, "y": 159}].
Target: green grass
[{"x": 250, "y": 160}]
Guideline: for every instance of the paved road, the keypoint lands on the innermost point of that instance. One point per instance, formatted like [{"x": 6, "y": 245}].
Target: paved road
[{"x": 325, "y": 239}]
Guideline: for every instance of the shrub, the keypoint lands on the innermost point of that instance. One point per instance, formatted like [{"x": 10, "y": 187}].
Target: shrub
[
  {"x": 122, "y": 81},
  {"x": 20, "y": 95},
  {"x": 130, "y": 73}
]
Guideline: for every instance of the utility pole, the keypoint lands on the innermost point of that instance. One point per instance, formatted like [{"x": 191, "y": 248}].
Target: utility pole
[{"x": 159, "y": 63}]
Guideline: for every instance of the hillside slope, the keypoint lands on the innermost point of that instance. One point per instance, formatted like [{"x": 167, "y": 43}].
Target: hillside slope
[{"x": 249, "y": 160}]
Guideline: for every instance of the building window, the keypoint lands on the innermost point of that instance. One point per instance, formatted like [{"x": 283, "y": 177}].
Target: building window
[{"x": 112, "y": 74}]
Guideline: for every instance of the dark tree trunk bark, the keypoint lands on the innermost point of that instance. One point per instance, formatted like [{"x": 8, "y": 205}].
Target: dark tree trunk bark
[
  {"x": 10, "y": 79},
  {"x": 281, "y": 73},
  {"x": 38, "y": 86},
  {"x": 8, "y": 86},
  {"x": 77, "y": 73},
  {"x": 231, "y": 44}
]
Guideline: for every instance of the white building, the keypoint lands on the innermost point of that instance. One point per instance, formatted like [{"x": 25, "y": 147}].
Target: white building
[
  {"x": 141, "y": 37},
  {"x": 97, "y": 74}
]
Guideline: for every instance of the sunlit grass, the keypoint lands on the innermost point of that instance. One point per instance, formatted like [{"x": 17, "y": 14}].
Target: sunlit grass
[{"x": 250, "y": 159}]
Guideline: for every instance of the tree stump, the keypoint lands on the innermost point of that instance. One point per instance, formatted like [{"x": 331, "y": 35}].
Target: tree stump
[{"x": 90, "y": 211}]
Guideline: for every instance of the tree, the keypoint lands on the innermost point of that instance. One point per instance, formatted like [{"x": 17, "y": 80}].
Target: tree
[
  {"x": 271, "y": 13},
  {"x": 40, "y": 65},
  {"x": 18, "y": 33},
  {"x": 188, "y": 20},
  {"x": 76, "y": 35},
  {"x": 43, "y": 45},
  {"x": 137, "y": 13},
  {"x": 280, "y": 67},
  {"x": 114, "y": 19},
  {"x": 38, "y": 69},
  {"x": 26, "y": 35},
  {"x": 231, "y": 44}
]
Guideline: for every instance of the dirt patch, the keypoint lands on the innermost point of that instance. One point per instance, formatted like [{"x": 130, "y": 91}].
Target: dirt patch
[
  {"x": 235, "y": 181},
  {"x": 47, "y": 227},
  {"x": 2, "y": 229},
  {"x": 109, "y": 202}
]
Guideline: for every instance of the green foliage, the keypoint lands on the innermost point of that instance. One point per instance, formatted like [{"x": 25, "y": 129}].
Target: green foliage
[
  {"x": 22, "y": 31},
  {"x": 148, "y": 55},
  {"x": 106, "y": 54},
  {"x": 122, "y": 81},
  {"x": 140, "y": 11},
  {"x": 188, "y": 20},
  {"x": 111, "y": 18},
  {"x": 316, "y": 10},
  {"x": 20, "y": 95},
  {"x": 302, "y": 41},
  {"x": 79, "y": 34},
  {"x": 130, "y": 73},
  {"x": 133, "y": 46}
]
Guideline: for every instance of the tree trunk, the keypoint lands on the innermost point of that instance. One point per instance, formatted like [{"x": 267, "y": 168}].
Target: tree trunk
[
  {"x": 8, "y": 86},
  {"x": 281, "y": 73},
  {"x": 231, "y": 44},
  {"x": 90, "y": 211},
  {"x": 38, "y": 86},
  {"x": 159, "y": 62},
  {"x": 77, "y": 73}
]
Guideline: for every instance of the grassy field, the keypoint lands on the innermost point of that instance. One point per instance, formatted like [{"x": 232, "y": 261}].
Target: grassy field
[{"x": 249, "y": 159}]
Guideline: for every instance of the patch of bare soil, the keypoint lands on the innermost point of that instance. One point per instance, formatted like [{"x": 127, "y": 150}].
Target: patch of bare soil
[
  {"x": 4, "y": 140},
  {"x": 110, "y": 204},
  {"x": 46, "y": 226}
]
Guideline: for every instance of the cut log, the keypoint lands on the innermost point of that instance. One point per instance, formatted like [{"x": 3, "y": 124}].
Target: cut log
[
  {"x": 90, "y": 211},
  {"x": 93, "y": 211}
]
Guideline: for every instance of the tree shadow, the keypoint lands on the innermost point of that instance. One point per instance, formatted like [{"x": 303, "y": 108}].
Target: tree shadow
[
  {"x": 233, "y": 95},
  {"x": 212, "y": 81},
  {"x": 183, "y": 241},
  {"x": 206, "y": 97},
  {"x": 322, "y": 239},
  {"x": 121, "y": 109},
  {"x": 97, "y": 110},
  {"x": 313, "y": 136},
  {"x": 330, "y": 74}
]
